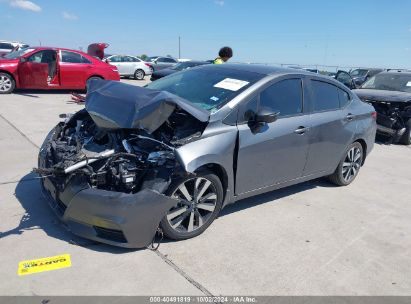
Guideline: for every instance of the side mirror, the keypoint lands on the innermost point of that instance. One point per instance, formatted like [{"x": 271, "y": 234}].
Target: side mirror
[{"x": 263, "y": 116}]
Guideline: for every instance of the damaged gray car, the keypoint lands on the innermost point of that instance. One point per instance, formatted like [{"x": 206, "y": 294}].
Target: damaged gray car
[{"x": 171, "y": 155}]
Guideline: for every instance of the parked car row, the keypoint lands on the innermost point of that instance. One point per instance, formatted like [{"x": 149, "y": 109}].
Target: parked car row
[{"x": 390, "y": 94}]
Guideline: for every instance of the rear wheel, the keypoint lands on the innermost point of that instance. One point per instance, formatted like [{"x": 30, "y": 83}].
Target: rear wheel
[
  {"x": 200, "y": 200},
  {"x": 406, "y": 137},
  {"x": 139, "y": 74},
  {"x": 7, "y": 83},
  {"x": 349, "y": 166}
]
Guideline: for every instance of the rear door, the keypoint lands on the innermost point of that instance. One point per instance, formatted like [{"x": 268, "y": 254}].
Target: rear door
[
  {"x": 130, "y": 64},
  {"x": 277, "y": 152},
  {"x": 74, "y": 70},
  {"x": 332, "y": 126}
]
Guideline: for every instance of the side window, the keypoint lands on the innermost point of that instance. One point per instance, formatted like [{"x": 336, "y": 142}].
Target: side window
[
  {"x": 246, "y": 109},
  {"x": 344, "y": 98},
  {"x": 115, "y": 59},
  {"x": 70, "y": 57},
  {"x": 284, "y": 97},
  {"x": 85, "y": 60},
  {"x": 6, "y": 46},
  {"x": 36, "y": 57},
  {"x": 325, "y": 96},
  {"x": 161, "y": 60}
]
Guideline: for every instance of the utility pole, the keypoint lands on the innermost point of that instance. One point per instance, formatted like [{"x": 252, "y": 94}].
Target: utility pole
[{"x": 179, "y": 47}]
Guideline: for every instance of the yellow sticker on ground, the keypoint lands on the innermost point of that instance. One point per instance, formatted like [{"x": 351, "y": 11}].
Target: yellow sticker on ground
[{"x": 44, "y": 264}]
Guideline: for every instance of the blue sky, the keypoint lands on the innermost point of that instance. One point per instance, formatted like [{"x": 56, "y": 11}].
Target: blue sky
[{"x": 344, "y": 33}]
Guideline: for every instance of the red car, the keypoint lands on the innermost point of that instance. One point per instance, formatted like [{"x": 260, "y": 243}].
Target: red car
[{"x": 53, "y": 68}]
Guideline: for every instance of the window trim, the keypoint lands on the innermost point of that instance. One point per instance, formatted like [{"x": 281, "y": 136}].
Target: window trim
[
  {"x": 81, "y": 56},
  {"x": 311, "y": 96}
]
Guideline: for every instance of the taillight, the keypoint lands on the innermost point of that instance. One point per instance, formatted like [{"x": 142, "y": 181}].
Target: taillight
[
  {"x": 374, "y": 115},
  {"x": 147, "y": 64}
]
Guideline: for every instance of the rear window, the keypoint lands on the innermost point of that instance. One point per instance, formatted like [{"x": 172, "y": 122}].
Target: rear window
[{"x": 325, "y": 96}]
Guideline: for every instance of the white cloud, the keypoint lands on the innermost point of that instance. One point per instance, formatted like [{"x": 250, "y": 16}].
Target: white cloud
[
  {"x": 219, "y": 2},
  {"x": 25, "y": 5},
  {"x": 69, "y": 16}
]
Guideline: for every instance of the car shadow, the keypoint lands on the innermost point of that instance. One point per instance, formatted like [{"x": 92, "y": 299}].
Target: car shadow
[
  {"x": 274, "y": 196},
  {"x": 38, "y": 215}
]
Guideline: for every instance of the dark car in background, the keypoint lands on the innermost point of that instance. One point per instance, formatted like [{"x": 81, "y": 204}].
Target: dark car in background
[
  {"x": 363, "y": 74},
  {"x": 174, "y": 153},
  {"x": 390, "y": 94},
  {"x": 160, "y": 62},
  {"x": 178, "y": 67}
]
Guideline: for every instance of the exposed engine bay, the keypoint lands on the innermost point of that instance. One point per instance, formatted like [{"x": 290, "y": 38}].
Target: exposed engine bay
[
  {"x": 123, "y": 160},
  {"x": 392, "y": 118}
]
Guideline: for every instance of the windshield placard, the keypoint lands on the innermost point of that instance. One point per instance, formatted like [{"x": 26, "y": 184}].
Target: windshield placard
[{"x": 231, "y": 84}]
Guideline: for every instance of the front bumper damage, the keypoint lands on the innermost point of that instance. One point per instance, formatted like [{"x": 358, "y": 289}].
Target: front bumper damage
[
  {"x": 125, "y": 220},
  {"x": 114, "y": 218}
]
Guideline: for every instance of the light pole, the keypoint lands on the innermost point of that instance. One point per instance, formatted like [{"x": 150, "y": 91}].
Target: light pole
[{"x": 179, "y": 47}]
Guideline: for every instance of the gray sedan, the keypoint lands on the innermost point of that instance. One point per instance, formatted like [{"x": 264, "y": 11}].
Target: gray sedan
[{"x": 170, "y": 156}]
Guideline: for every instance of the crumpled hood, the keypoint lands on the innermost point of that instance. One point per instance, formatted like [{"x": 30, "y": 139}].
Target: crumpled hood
[
  {"x": 115, "y": 105},
  {"x": 383, "y": 95}
]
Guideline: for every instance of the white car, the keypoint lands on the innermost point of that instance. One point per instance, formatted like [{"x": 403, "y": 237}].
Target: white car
[
  {"x": 8, "y": 46},
  {"x": 130, "y": 66}
]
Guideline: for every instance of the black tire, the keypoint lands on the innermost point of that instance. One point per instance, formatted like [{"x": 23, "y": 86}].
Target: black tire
[
  {"x": 349, "y": 165},
  {"x": 7, "y": 83},
  {"x": 406, "y": 137},
  {"x": 139, "y": 74},
  {"x": 200, "y": 218}
]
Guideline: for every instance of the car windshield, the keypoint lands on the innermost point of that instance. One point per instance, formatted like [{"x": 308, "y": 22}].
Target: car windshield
[
  {"x": 151, "y": 58},
  {"x": 17, "y": 54},
  {"x": 207, "y": 88},
  {"x": 359, "y": 72},
  {"x": 390, "y": 82}
]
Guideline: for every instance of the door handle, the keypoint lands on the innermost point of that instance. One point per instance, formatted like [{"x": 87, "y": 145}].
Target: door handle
[
  {"x": 350, "y": 116},
  {"x": 300, "y": 130}
]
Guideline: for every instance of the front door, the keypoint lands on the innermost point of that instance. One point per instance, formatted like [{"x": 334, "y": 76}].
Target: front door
[
  {"x": 34, "y": 70},
  {"x": 275, "y": 152}
]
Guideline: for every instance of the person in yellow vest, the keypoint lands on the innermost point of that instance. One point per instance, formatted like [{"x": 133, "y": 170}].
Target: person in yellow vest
[{"x": 224, "y": 54}]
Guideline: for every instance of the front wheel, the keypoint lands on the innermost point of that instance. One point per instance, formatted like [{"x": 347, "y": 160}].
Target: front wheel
[
  {"x": 200, "y": 200},
  {"x": 349, "y": 166},
  {"x": 7, "y": 83},
  {"x": 139, "y": 74}
]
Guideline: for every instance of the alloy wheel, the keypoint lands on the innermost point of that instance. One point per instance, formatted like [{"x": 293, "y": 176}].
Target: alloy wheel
[
  {"x": 197, "y": 202},
  {"x": 5, "y": 83},
  {"x": 139, "y": 75},
  {"x": 352, "y": 164}
]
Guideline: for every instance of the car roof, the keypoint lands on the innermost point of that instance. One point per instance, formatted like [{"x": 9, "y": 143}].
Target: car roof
[
  {"x": 407, "y": 73},
  {"x": 258, "y": 68}
]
